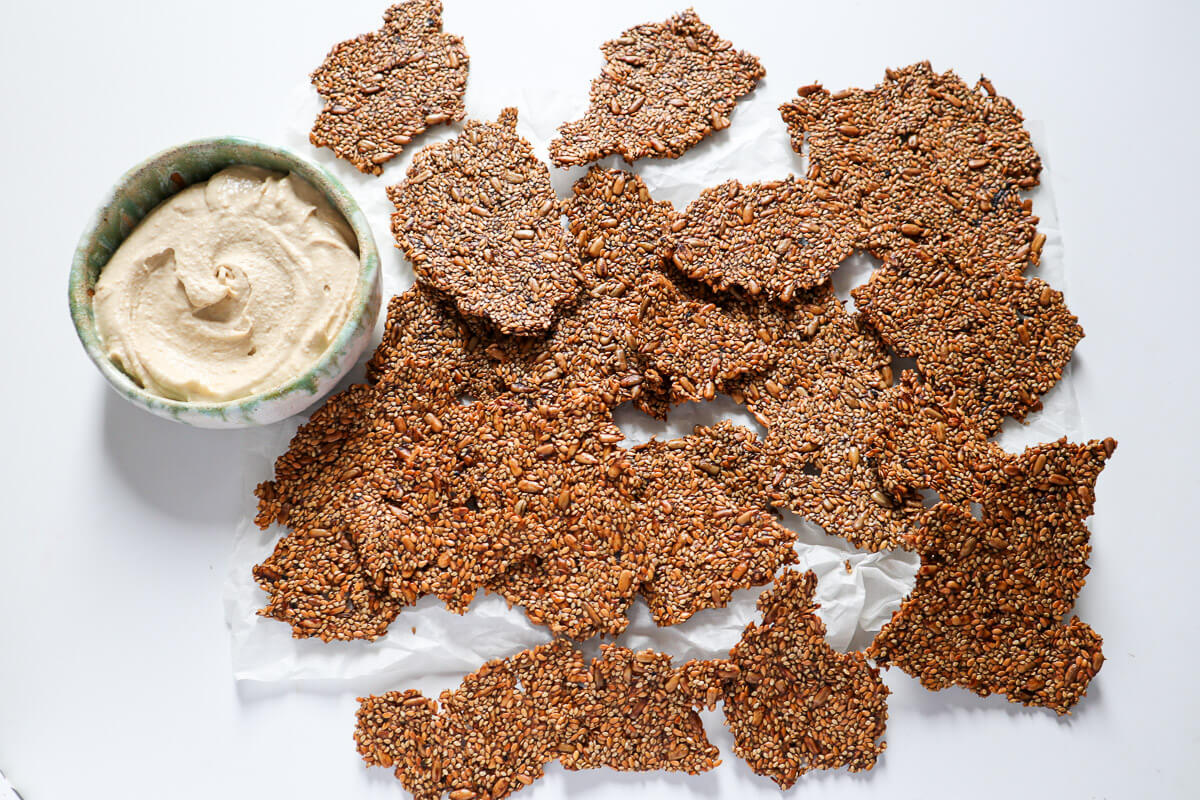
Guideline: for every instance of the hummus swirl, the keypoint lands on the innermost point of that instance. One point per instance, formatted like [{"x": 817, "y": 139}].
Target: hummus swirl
[{"x": 230, "y": 288}]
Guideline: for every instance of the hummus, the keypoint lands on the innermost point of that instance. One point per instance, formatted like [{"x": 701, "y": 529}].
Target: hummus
[{"x": 230, "y": 288}]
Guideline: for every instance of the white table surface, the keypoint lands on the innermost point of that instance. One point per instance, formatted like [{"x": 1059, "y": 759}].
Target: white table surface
[{"x": 114, "y": 659}]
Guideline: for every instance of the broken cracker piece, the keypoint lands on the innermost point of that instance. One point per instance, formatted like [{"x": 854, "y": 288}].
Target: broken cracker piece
[
  {"x": 926, "y": 160},
  {"x": 479, "y": 221},
  {"x": 705, "y": 545},
  {"x": 494, "y": 734},
  {"x": 317, "y": 585},
  {"x": 776, "y": 238},
  {"x": 795, "y": 704},
  {"x": 987, "y": 337},
  {"x": 824, "y": 469},
  {"x": 987, "y": 610},
  {"x": 384, "y": 88},
  {"x": 422, "y": 325},
  {"x": 663, "y": 88}
]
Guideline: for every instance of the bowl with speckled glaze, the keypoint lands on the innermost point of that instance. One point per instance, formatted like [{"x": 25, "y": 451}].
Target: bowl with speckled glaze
[{"x": 143, "y": 188}]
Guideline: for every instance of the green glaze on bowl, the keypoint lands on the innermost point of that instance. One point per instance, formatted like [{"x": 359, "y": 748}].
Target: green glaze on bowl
[{"x": 147, "y": 185}]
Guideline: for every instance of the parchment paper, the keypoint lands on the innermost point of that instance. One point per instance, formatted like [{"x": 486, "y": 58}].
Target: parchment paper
[{"x": 857, "y": 591}]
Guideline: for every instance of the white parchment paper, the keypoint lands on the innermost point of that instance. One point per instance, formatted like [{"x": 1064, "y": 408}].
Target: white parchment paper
[{"x": 857, "y": 590}]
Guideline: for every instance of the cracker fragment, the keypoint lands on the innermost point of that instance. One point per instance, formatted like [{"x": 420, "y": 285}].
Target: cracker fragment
[
  {"x": 383, "y": 88},
  {"x": 811, "y": 337},
  {"x": 794, "y": 703},
  {"x": 706, "y": 545},
  {"x": 495, "y": 734},
  {"x": 638, "y": 714},
  {"x": 774, "y": 239},
  {"x": 926, "y": 160},
  {"x": 727, "y": 454},
  {"x": 420, "y": 324},
  {"x": 924, "y": 443},
  {"x": 525, "y": 494},
  {"x": 825, "y": 469},
  {"x": 992, "y": 339},
  {"x": 663, "y": 88},
  {"x": 317, "y": 585},
  {"x": 479, "y": 221},
  {"x": 549, "y": 467},
  {"x": 987, "y": 610}
]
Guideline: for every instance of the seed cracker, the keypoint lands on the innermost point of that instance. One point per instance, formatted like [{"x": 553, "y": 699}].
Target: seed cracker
[
  {"x": 826, "y": 471},
  {"x": 422, "y": 325},
  {"x": 992, "y": 338},
  {"x": 638, "y": 715},
  {"x": 730, "y": 455},
  {"x": 706, "y": 545},
  {"x": 494, "y": 734},
  {"x": 631, "y": 324},
  {"x": 986, "y": 612},
  {"x": 689, "y": 349},
  {"x": 794, "y": 703},
  {"x": 663, "y": 88},
  {"x": 776, "y": 238},
  {"x": 317, "y": 585},
  {"x": 548, "y": 467},
  {"x": 812, "y": 336},
  {"x": 924, "y": 443},
  {"x": 383, "y": 88},
  {"x": 927, "y": 160},
  {"x": 479, "y": 221}
]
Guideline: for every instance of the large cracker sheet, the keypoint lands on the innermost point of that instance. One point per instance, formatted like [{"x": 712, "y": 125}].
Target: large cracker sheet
[{"x": 430, "y": 648}]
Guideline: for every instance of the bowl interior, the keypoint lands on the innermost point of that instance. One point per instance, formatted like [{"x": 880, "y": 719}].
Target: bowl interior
[{"x": 147, "y": 185}]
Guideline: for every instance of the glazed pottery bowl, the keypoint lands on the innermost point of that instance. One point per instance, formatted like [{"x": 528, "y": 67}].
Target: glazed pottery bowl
[{"x": 147, "y": 185}]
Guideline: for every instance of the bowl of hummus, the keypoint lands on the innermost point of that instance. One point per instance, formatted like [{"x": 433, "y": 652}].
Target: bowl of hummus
[{"x": 225, "y": 283}]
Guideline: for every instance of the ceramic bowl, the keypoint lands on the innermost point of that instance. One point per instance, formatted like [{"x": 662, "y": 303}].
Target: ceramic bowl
[{"x": 145, "y": 186}]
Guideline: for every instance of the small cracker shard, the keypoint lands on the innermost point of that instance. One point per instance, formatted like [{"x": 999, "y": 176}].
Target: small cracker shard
[
  {"x": 494, "y": 734},
  {"x": 317, "y": 584},
  {"x": 924, "y": 443},
  {"x": 990, "y": 338},
  {"x": 776, "y": 238},
  {"x": 826, "y": 470},
  {"x": 795, "y": 704},
  {"x": 422, "y": 325},
  {"x": 638, "y": 714},
  {"x": 926, "y": 159},
  {"x": 663, "y": 88},
  {"x": 987, "y": 610},
  {"x": 479, "y": 220},
  {"x": 384, "y": 88},
  {"x": 706, "y": 545}
]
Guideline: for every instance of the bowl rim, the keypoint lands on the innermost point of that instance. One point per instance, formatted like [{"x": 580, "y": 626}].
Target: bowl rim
[{"x": 329, "y": 186}]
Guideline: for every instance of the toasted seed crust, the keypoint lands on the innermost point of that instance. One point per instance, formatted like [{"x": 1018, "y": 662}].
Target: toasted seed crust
[
  {"x": 775, "y": 239},
  {"x": 479, "y": 221},
  {"x": 794, "y": 703},
  {"x": 383, "y": 88},
  {"x": 663, "y": 88},
  {"x": 991, "y": 339},
  {"x": 420, "y": 324},
  {"x": 706, "y": 545},
  {"x": 494, "y": 734},
  {"x": 986, "y": 612},
  {"x": 926, "y": 160}
]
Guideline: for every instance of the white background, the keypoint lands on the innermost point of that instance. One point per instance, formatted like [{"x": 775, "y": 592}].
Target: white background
[{"x": 115, "y": 675}]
